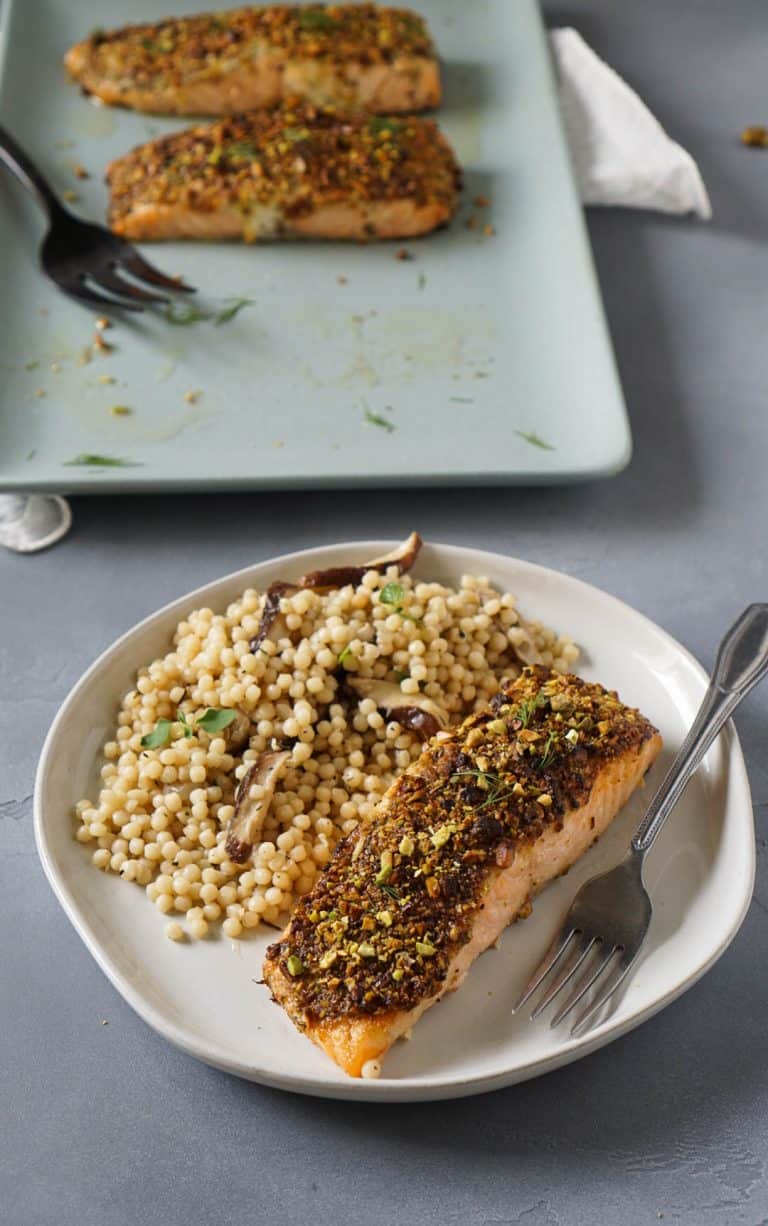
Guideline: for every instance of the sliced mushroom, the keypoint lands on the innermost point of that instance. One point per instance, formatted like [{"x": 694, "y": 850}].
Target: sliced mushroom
[
  {"x": 525, "y": 649},
  {"x": 271, "y": 612},
  {"x": 403, "y": 557},
  {"x": 415, "y": 712},
  {"x": 250, "y": 813},
  {"x": 237, "y": 733}
]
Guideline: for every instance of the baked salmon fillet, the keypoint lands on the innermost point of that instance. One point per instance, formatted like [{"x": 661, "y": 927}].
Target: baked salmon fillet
[
  {"x": 352, "y": 55},
  {"x": 295, "y": 170},
  {"x": 461, "y": 842}
]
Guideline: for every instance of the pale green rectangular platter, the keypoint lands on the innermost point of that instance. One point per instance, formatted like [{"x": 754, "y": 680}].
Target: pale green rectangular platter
[{"x": 475, "y": 343}]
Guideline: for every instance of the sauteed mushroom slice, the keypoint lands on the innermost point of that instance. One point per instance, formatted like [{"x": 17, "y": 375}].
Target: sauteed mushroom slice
[
  {"x": 250, "y": 812},
  {"x": 403, "y": 557},
  {"x": 271, "y": 611},
  {"x": 415, "y": 712}
]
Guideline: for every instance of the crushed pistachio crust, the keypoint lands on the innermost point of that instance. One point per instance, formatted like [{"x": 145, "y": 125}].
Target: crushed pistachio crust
[
  {"x": 398, "y": 899},
  {"x": 298, "y": 156},
  {"x": 178, "y": 51}
]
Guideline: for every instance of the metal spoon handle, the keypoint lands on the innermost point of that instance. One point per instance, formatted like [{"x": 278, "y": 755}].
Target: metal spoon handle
[
  {"x": 20, "y": 165},
  {"x": 742, "y": 661}
]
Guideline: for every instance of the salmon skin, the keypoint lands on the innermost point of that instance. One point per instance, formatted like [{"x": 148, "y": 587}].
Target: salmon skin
[
  {"x": 379, "y": 59},
  {"x": 461, "y": 842},
  {"x": 294, "y": 170}
]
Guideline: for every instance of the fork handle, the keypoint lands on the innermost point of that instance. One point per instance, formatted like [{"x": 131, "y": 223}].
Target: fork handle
[
  {"x": 14, "y": 157},
  {"x": 742, "y": 661}
]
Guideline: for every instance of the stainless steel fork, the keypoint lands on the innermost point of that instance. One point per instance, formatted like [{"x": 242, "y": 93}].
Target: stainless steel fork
[
  {"x": 86, "y": 261},
  {"x": 602, "y": 934}
]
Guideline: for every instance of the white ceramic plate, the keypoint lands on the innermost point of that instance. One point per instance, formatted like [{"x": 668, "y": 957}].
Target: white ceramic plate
[{"x": 205, "y": 996}]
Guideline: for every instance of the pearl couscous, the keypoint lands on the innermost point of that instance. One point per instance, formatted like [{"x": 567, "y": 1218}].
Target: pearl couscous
[{"x": 161, "y": 815}]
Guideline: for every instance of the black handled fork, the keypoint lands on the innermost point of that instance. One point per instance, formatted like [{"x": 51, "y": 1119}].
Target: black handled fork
[{"x": 85, "y": 260}]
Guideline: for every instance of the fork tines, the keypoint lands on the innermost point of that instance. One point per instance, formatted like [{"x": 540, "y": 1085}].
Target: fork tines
[{"x": 572, "y": 950}]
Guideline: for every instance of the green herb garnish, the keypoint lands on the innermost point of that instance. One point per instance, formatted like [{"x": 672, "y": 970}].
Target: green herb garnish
[
  {"x": 534, "y": 440},
  {"x": 375, "y": 419},
  {"x": 234, "y": 308},
  {"x": 159, "y": 736},
  {"x": 345, "y": 655},
  {"x": 391, "y": 891},
  {"x": 495, "y": 788},
  {"x": 392, "y": 593},
  {"x": 86, "y": 460},
  {"x": 381, "y": 124},
  {"x": 528, "y": 706},
  {"x": 422, "y": 280},
  {"x": 241, "y": 150},
  {"x": 212, "y": 720},
  {"x": 296, "y": 134},
  {"x": 189, "y": 313},
  {"x": 549, "y": 754},
  {"x": 215, "y": 720},
  {"x": 184, "y": 313},
  {"x": 315, "y": 20}
]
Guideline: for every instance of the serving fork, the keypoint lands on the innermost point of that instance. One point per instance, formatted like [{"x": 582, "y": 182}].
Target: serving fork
[
  {"x": 85, "y": 260},
  {"x": 603, "y": 933}
]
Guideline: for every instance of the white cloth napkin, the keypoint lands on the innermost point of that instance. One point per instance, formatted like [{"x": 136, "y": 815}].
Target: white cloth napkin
[{"x": 621, "y": 155}]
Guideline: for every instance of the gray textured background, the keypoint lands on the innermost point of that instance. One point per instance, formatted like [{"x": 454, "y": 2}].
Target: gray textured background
[{"x": 110, "y": 1126}]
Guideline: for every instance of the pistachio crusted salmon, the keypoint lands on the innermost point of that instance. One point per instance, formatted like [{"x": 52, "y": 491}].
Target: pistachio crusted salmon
[
  {"x": 486, "y": 816},
  {"x": 379, "y": 59},
  {"x": 295, "y": 170}
]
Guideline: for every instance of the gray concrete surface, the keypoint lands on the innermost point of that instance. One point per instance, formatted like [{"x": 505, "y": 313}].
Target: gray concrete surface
[{"x": 110, "y": 1126}]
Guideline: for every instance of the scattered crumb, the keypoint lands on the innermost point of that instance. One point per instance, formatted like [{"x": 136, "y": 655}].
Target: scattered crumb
[
  {"x": 404, "y": 254},
  {"x": 279, "y": 443},
  {"x": 756, "y": 136},
  {"x": 488, "y": 230},
  {"x": 106, "y": 379},
  {"x": 121, "y": 410},
  {"x": 100, "y": 345},
  {"x": 79, "y": 171},
  {"x": 341, "y": 279},
  {"x": 40, "y": 393},
  {"x": 104, "y": 1022},
  {"x": 422, "y": 280},
  {"x": 482, "y": 202},
  {"x": 31, "y": 365},
  {"x": 471, "y": 222},
  {"x": 102, "y": 323},
  {"x": 192, "y": 397},
  {"x": 481, "y": 374},
  {"x": 64, "y": 144},
  {"x": 462, "y": 400},
  {"x": 56, "y": 367},
  {"x": 84, "y": 356},
  {"x": 31, "y": 454},
  {"x": 70, "y": 195}
]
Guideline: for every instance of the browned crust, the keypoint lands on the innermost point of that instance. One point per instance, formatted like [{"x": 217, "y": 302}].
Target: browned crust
[
  {"x": 217, "y": 63},
  {"x": 399, "y": 900},
  {"x": 306, "y": 163}
]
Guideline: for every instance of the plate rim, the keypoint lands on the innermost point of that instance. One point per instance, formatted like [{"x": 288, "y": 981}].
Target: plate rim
[{"x": 408, "y": 1089}]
